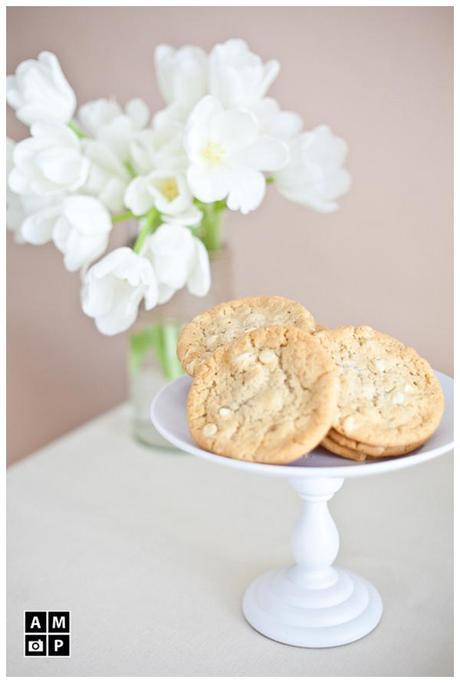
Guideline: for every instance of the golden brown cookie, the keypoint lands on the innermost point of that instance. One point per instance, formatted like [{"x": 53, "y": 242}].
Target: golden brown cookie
[
  {"x": 371, "y": 451},
  {"x": 343, "y": 451},
  {"x": 269, "y": 396},
  {"x": 389, "y": 395},
  {"x": 228, "y": 321}
]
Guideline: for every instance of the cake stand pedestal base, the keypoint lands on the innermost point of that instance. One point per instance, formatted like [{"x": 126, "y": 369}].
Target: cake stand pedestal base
[{"x": 312, "y": 603}]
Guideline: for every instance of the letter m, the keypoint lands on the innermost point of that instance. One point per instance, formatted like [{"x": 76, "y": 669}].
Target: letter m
[{"x": 58, "y": 622}]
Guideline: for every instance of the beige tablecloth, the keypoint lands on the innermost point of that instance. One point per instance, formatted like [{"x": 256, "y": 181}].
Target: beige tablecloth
[{"x": 151, "y": 552}]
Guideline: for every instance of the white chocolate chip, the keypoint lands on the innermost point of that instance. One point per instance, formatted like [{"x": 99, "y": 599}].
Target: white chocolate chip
[
  {"x": 225, "y": 412},
  {"x": 255, "y": 319},
  {"x": 380, "y": 364},
  {"x": 349, "y": 423},
  {"x": 398, "y": 398},
  {"x": 209, "y": 429},
  {"x": 267, "y": 356},
  {"x": 211, "y": 340},
  {"x": 244, "y": 360},
  {"x": 409, "y": 389}
]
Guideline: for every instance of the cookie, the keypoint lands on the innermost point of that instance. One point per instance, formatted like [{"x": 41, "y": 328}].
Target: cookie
[
  {"x": 269, "y": 396},
  {"x": 344, "y": 452},
  {"x": 389, "y": 396},
  {"x": 228, "y": 321},
  {"x": 372, "y": 451}
]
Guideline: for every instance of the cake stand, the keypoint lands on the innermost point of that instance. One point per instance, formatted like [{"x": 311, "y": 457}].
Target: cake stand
[{"x": 312, "y": 603}]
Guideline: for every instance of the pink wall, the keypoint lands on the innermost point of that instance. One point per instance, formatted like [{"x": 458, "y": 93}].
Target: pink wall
[{"x": 380, "y": 77}]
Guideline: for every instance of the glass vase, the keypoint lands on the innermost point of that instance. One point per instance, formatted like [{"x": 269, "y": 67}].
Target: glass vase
[{"x": 152, "y": 359}]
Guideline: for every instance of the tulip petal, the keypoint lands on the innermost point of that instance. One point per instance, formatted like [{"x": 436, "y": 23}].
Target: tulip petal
[
  {"x": 209, "y": 185},
  {"x": 199, "y": 279},
  {"x": 165, "y": 293},
  {"x": 171, "y": 249},
  {"x": 97, "y": 113},
  {"x": 39, "y": 91},
  {"x": 266, "y": 154},
  {"x": 38, "y": 227},
  {"x": 235, "y": 130},
  {"x": 247, "y": 190},
  {"x": 271, "y": 71},
  {"x": 197, "y": 131},
  {"x": 138, "y": 111},
  {"x": 114, "y": 287},
  {"x": 137, "y": 197}
]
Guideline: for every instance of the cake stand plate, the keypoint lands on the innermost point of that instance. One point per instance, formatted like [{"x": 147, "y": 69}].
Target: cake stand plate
[{"x": 312, "y": 603}]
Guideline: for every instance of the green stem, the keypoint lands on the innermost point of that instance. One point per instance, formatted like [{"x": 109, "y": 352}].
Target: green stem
[
  {"x": 130, "y": 168},
  {"x": 151, "y": 222},
  {"x": 168, "y": 333},
  {"x": 209, "y": 230},
  {"x": 161, "y": 339},
  {"x": 123, "y": 216},
  {"x": 73, "y": 125}
]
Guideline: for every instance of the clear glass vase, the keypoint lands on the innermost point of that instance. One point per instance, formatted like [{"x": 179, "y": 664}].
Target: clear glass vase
[{"x": 152, "y": 359}]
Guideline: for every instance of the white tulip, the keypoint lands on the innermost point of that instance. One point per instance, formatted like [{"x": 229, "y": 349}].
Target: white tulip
[
  {"x": 182, "y": 74},
  {"x": 93, "y": 115},
  {"x": 174, "y": 115},
  {"x": 22, "y": 209},
  {"x": 115, "y": 286},
  {"x": 283, "y": 125},
  {"x": 115, "y": 128},
  {"x": 160, "y": 147},
  {"x": 179, "y": 259},
  {"x": 315, "y": 176},
  {"x": 108, "y": 177},
  {"x": 122, "y": 130},
  {"x": 39, "y": 91},
  {"x": 81, "y": 231},
  {"x": 26, "y": 208},
  {"x": 227, "y": 155},
  {"x": 199, "y": 277},
  {"x": 78, "y": 225},
  {"x": 37, "y": 227},
  {"x": 237, "y": 76},
  {"x": 50, "y": 162},
  {"x": 189, "y": 217},
  {"x": 167, "y": 192}
]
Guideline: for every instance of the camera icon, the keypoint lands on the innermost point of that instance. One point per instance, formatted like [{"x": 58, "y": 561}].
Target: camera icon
[{"x": 35, "y": 646}]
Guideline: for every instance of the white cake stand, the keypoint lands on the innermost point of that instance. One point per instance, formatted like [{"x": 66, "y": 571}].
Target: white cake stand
[{"x": 312, "y": 603}]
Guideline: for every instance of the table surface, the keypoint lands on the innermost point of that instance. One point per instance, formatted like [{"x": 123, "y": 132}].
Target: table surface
[{"x": 152, "y": 551}]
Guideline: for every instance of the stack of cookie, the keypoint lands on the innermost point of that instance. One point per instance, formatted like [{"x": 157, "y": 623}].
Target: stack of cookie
[
  {"x": 269, "y": 385},
  {"x": 390, "y": 401}
]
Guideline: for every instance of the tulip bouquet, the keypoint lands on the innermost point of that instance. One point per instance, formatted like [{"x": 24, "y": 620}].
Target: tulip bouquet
[{"x": 217, "y": 144}]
